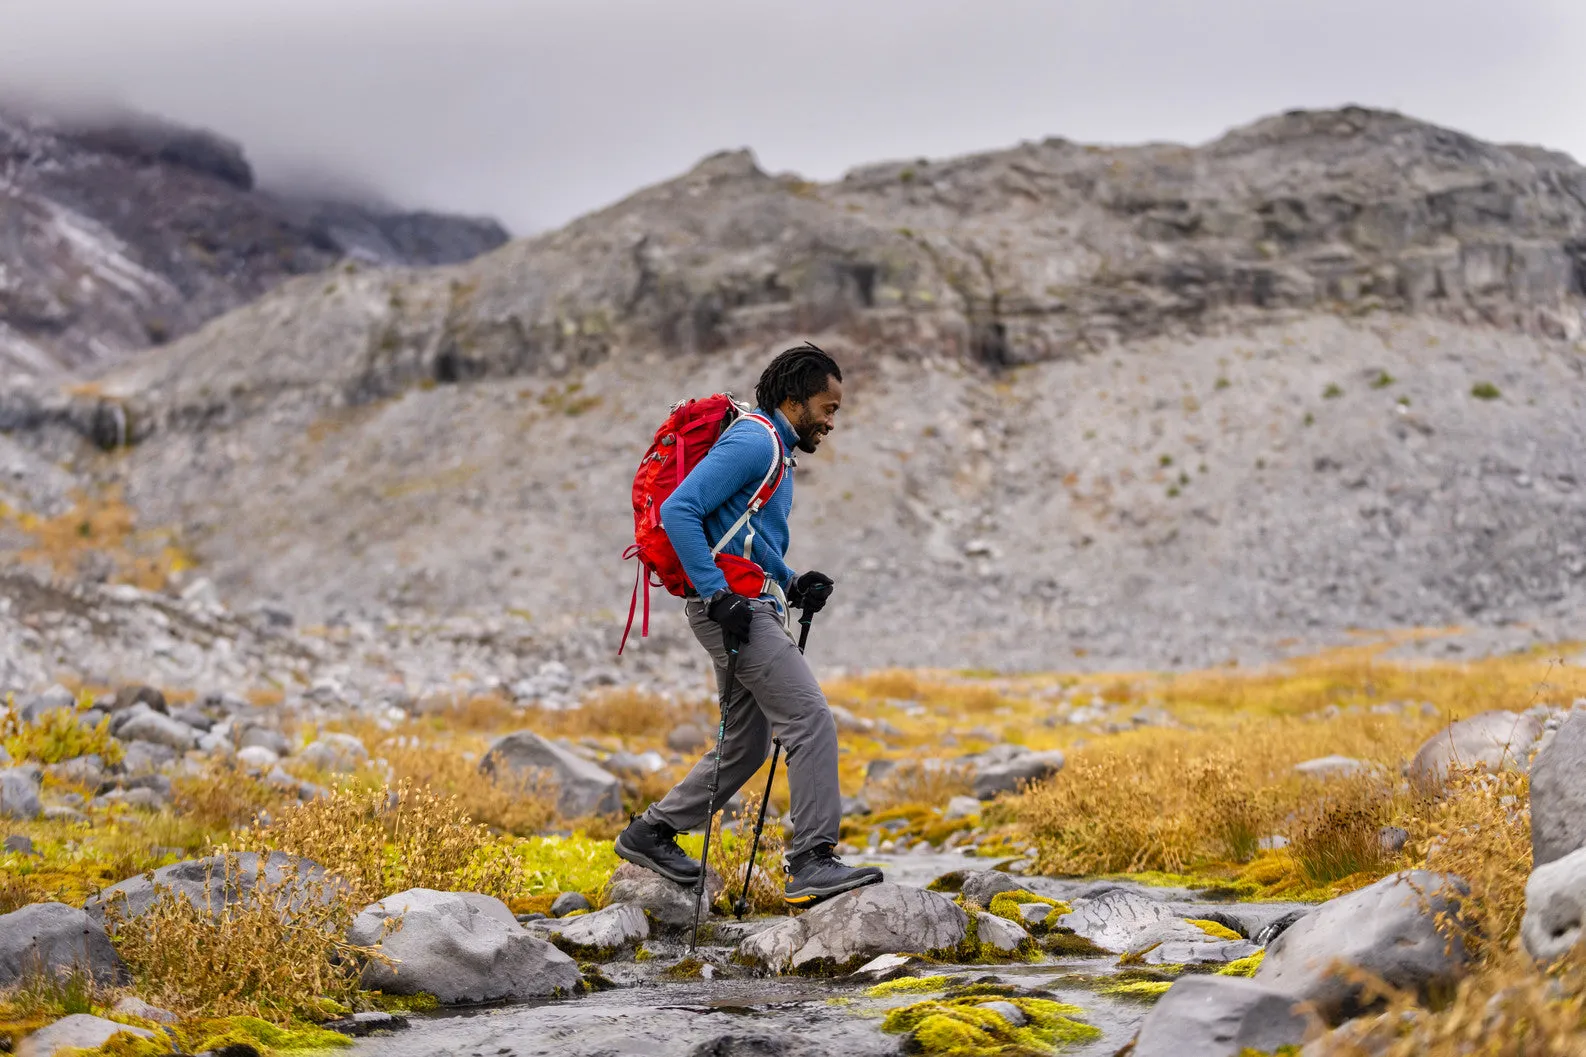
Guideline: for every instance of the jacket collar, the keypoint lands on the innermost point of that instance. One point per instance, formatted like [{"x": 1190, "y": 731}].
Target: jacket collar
[{"x": 790, "y": 436}]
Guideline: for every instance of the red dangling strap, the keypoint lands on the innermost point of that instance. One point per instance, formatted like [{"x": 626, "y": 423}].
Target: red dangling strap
[{"x": 633, "y": 603}]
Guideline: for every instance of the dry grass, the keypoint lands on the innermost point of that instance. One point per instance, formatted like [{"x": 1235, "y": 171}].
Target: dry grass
[
  {"x": 623, "y": 713},
  {"x": 382, "y": 841},
  {"x": 1337, "y": 833},
  {"x": 917, "y": 784},
  {"x": 225, "y": 798},
  {"x": 252, "y": 959},
  {"x": 100, "y": 532},
  {"x": 520, "y": 807}
]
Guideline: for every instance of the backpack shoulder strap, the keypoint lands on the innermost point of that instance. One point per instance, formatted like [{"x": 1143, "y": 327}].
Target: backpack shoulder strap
[{"x": 768, "y": 486}]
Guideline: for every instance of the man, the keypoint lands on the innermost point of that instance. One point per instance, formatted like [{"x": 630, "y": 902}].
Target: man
[{"x": 799, "y": 392}]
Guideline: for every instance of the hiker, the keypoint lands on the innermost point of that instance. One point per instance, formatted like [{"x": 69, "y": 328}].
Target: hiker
[{"x": 798, "y": 396}]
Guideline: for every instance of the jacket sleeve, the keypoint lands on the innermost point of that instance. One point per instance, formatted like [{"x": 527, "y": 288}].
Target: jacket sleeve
[{"x": 735, "y": 462}]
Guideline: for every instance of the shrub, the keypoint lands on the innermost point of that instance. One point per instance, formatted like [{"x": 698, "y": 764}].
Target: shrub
[
  {"x": 1485, "y": 391},
  {"x": 255, "y": 958},
  {"x": 515, "y": 805},
  {"x": 382, "y": 841},
  {"x": 58, "y": 735}
]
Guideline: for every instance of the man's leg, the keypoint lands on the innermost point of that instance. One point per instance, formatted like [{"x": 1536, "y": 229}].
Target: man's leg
[
  {"x": 786, "y": 692},
  {"x": 743, "y": 750}
]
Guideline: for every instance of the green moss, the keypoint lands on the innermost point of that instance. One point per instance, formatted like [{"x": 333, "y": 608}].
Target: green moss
[
  {"x": 1070, "y": 945},
  {"x": 423, "y": 1002},
  {"x": 965, "y": 1028},
  {"x": 1244, "y": 966},
  {"x": 1215, "y": 929},
  {"x": 689, "y": 968},
  {"x": 643, "y": 953},
  {"x": 1142, "y": 989},
  {"x": 1006, "y": 905},
  {"x": 908, "y": 985},
  {"x": 948, "y": 882}
]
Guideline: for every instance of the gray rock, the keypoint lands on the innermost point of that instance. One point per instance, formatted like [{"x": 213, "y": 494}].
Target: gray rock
[
  {"x": 1331, "y": 766},
  {"x": 1392, "y": 839},
  {"x": 1007, "y": 1011},
  {"x": 992, "y": 778},
  {"x": 19, "y": 793},
  {"x": 687, "y": 737},
  {"x": 335, "y": 753},
  {"x": 962, "y": 807},
  {"x": 1386, "y": 928},
  {"x": 144, "y": 724},
  {"x": 447, "y": 946},
  {"x": 1177, "y": 942},
  {"x": 133, "y": 1006},
  {"x": 1555, "y": 907},
  {"x": 5, "y": 757},
  {"x": 214, "y": 883},
  {"x": 669, "y": 905},
  {"x": 193, "y": 718},
  {"x": 265, "y": 738},
  {"x": 132, "y": 696},
  {"x": 856, "y": 926},
  {"x": 56, "y": 697},
  {"x": 583, "y": 787},
  {"x": 86, "y": 770},
  {"x": 1221, "y": 1016},
  {"x": 146, "y": 757},
  {"x": 1113, "y": 919},
  {"x": 1558, "y": 793},
  {"x": 61, "y": 811},
  {"x": 980, "y": 885},
  {"x": 616, "y": 927},
  {"x": 78, "y": 1031},
  {"x": 855, "y": 805},
  {"x": 257, "y": 759},
  {"x": 19, "y": 844},
  {"x": 1000, "y": 934},
  {"x": 568, "y": 902},
  {"x": 1034, "y": 915},
  {"x": 1490, "y": 741},
  {"x": 56, "y": 939}
]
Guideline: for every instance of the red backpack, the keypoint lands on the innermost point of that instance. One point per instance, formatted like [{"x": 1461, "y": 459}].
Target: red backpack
[{"x": 679, "y": 445}]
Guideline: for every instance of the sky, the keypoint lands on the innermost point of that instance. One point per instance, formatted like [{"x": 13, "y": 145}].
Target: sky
[{"x": 536, "y": 111}]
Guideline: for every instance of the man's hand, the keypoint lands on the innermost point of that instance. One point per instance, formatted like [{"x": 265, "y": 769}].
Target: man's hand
[
  {"x": 734, "y": 613},
  {"x": 810, "y": 592}
]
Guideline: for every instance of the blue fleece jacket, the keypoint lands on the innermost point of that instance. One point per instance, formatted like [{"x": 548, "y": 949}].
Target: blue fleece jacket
[{"x": 715, "y": 494}]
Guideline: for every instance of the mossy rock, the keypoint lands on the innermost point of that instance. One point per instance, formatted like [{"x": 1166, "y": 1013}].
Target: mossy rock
[
  {"x": 1068, "y": 944},
  {"x": 963, "y": 1027},
  {"x": 952, "y": 882},
  {"x": 1006, "y": 905},
  {"x": 910, "y": 985}
]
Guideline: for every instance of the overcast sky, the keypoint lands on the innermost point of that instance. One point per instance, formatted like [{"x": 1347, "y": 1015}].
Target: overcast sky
[{"x": 537, "y": 110}]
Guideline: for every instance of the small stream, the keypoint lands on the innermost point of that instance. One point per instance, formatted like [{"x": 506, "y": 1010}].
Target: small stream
[{"x": 767, "y": 1016}]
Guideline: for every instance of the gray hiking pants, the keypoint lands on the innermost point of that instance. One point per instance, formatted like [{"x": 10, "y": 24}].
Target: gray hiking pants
[{"x": 775, "y": 692}]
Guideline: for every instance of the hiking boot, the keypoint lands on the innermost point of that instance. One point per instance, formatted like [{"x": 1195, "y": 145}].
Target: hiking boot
[
  {"x": 654, "y": 847},
  {"x": 818, "y": 874}
]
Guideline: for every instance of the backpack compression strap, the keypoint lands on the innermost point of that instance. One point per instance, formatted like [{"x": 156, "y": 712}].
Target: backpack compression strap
[{"x": 768, "y": 486}]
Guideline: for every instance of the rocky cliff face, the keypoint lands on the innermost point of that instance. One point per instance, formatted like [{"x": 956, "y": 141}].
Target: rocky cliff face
[
  {"x": 126, "y": 234},
  {"x": 1134, "y": 406}
]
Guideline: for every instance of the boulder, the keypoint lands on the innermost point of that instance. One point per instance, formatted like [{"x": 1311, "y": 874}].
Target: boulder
[
  {"x": 133, "y": 1006},
  {"x": 1490, "y": 741},
  {"x": 996, "y": 773},
  {"x": 215, "y": 883},
  {"x": 999, "y": 934},
  {"x": 1555, "y": 907},
  {"x": 336, "y": 753},
  {"x": 132, "y": 696},
  {"x": 56, "y": 938},
  {"x": 265, "y": 738},
  {"x": 961, "y": 807},
  {"x": 1558, "y": 793},
  {"x": 854, "y": 927},
  {"x": 19, "y": 793},
  {"x": 602, "y": 932},
  {"x": 87, "y": 770},
  {"x": 1178, "y": 942},
  {"x": 669, "y": 904},
  {"x": 146, "y": 757},
  {"x": 1332, "y": 767},
  {"x": 1222, "y": 1016},
  {"x": 256, "y": 759},
  {"x": 568, "y": 902},
  {"x": 51, "y": 700},
  {"x": 451, "y": 948},
  {"x": 980, "y": 885},
  {"x": 193, "y": 718},
  {"x": 80, "y": 1031},
  {"x": 1113, "y": 919},
  {"x": 1386, "y": 929},
  {"x": 581, "y": 786},
  {"x": 687, "y": 737},
  {"x": 145, "y": 724}
]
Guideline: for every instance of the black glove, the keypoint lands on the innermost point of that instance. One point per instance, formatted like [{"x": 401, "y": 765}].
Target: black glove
[
  {"x": 734, "y": 614},
  {"x": 810, "y": 592}
]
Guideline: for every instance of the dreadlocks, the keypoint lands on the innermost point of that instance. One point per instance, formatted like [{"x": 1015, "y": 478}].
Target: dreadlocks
[{"x": 797, "y": 374}]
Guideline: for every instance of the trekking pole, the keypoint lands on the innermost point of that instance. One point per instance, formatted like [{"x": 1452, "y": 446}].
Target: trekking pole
[
  {"x": 715, "y": 784},
  {"x": 741, "y": 907}
]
